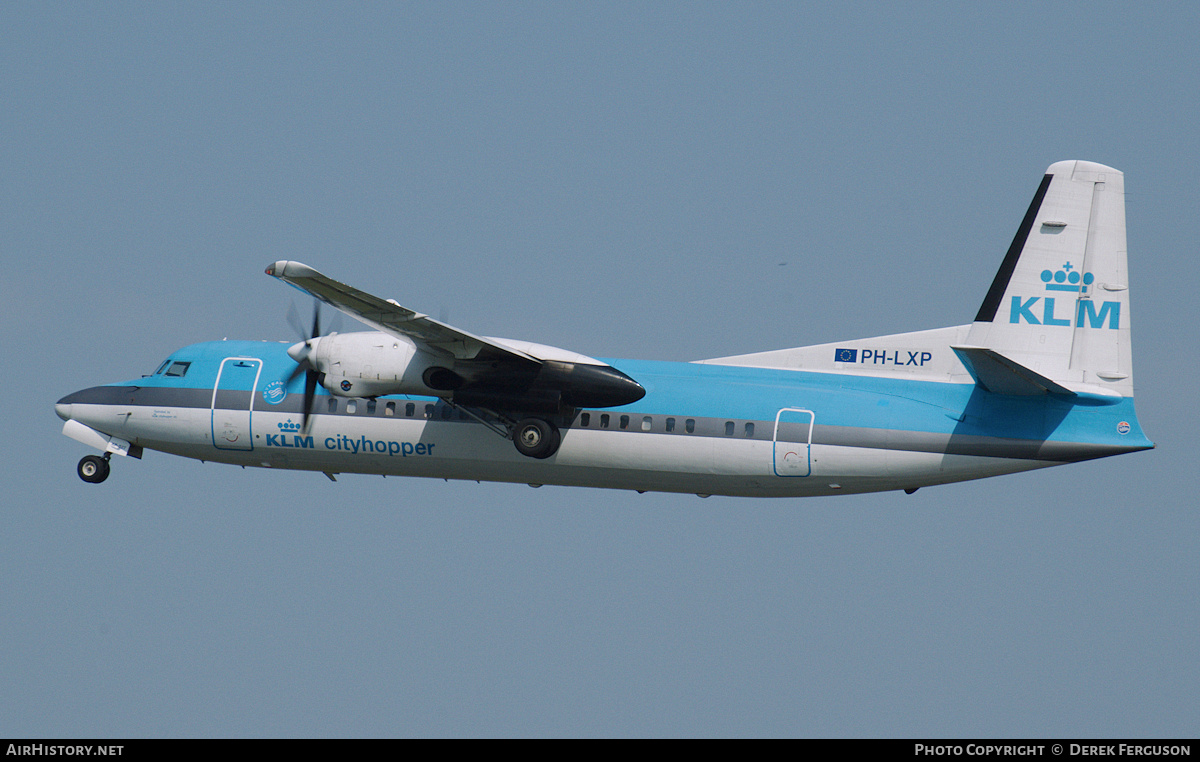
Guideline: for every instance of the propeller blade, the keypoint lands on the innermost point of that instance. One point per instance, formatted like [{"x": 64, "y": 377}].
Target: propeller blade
[
  {"x": 296, "y": 371},
  {"x": 293, "y": 318},
  {"x": 310, "y": 391},
  {"x": 300, "y": 354}
]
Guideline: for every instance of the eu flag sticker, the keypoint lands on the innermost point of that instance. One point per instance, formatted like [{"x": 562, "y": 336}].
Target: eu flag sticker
[{"x": 845, "y": 355}]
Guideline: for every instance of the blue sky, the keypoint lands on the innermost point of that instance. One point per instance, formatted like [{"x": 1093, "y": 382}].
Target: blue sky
[{"x": 667, "y": 181}]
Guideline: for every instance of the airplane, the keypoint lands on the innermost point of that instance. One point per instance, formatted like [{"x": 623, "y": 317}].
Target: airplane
[{"x": 1041, "y": 377}]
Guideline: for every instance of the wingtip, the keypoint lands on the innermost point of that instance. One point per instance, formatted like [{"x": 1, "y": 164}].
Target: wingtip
[{"x": 285, "y": 268}]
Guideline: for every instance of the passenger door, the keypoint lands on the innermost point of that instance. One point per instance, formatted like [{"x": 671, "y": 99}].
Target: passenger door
[{"x": 233, "y": 403}]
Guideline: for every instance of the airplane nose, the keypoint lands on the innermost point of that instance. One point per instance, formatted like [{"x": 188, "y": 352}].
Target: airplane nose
[{"x": 63, "y": 410}]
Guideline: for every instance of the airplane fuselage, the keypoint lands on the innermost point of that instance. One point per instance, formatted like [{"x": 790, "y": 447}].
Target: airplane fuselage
[{"x": 701, "y": 428}]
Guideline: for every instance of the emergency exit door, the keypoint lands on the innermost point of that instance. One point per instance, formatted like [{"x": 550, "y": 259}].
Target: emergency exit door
[{"x": 793, "y": 442}]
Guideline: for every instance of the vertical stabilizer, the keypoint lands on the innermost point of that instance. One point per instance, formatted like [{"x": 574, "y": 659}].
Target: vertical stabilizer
[{"x": 1060, "y": 303}]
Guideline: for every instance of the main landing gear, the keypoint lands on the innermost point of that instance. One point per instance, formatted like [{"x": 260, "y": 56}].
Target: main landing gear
[
  {"x": 93, "y": 469},
  {"x": 533, "y": 437},
  {"x": 536, "y": 438}
]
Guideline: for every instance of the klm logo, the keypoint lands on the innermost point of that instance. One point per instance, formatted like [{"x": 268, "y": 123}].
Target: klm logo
[
  {"x": 281, "y": 440},
  {"x": 1086, "y": 313}
]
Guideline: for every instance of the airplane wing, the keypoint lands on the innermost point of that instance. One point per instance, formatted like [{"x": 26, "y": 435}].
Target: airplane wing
[
  {"x": 498, "y": 374},
  {"x": 390, "y": 317}
]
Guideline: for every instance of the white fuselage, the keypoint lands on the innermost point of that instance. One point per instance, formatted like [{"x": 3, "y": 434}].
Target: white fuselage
[{"x": 700, "y": 429}]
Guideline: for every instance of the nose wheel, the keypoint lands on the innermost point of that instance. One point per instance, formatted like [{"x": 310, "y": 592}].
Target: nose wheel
[
  {"x": 536, "y": 438},
  {"x": 93, "y": 469}
]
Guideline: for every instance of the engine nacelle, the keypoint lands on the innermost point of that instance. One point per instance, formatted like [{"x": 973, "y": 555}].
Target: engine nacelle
[
  {"x": 370, "y": 364},
  {"x": 373, "y": 364}
]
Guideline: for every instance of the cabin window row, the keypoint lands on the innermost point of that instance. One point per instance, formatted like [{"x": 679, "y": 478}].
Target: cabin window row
[
  {"x": 428, "y": 411},
  {"x": 625, "y": 422}
]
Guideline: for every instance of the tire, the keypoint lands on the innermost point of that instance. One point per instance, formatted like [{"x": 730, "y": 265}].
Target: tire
[
  {"x": 536, "y": 438},
  {"x": 93, "y": 469}
]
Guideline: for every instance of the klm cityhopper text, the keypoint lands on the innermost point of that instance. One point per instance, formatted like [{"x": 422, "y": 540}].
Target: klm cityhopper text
[{"x": 343, "y": 443}]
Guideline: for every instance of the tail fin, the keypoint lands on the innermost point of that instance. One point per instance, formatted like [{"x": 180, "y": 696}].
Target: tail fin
[{"x": 1059, "y": 305}]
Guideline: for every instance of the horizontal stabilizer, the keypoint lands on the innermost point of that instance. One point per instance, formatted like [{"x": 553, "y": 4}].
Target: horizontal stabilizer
[{"x": 1000, "y": 375}]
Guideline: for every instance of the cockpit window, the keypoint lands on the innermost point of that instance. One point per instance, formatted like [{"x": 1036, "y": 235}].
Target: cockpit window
[
  {"x": 162, "y": 367},
  {"x": 178, "y": 369}
]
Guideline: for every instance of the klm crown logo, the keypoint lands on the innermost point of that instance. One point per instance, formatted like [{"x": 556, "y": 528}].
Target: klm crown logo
[
  {"x": 288, "y": 426},
  {"x": 1067, "y": 279}
]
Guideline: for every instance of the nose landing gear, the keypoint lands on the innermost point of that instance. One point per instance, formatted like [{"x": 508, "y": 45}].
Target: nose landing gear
[{"x": 93, "y": 469}]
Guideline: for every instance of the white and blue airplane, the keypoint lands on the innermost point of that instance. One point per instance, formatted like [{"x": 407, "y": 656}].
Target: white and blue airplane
[{"x": 1042, "y": 377}]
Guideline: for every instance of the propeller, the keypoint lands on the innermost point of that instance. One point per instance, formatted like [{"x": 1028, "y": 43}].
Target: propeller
[
  {"x": 293, "y": 318},
  {"x": 302, "y": 353}
]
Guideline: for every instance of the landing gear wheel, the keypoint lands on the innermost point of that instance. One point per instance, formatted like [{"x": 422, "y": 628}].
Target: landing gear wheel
[
  {"x": 536, "y": 438},
  {"x": 93, "y": 469}
]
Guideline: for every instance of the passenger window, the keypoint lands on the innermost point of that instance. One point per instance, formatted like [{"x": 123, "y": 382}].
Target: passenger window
[
  {"x": 585, "y": 420},
  {"x": 604, "y": 420},
  {"x": 750, "y": 430},
  {"x": 690, "y": 425},
  {"x": 728, "y": 428},
  {"x": 428, "y": 411},
  {"x": 370, "y": 407},
  {"x": 670, "y": 425},
  {"x": 178, "y": 369},
  {"x": 351, "y": 407},
  {"x": 647, "y": 423},
  {"x": 389, "y": 408},
  {"x": 409, "y": 410},
  {"x": 624, "y": 422},
  {"x": 332, "y": 404}
]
